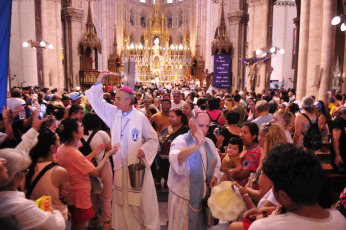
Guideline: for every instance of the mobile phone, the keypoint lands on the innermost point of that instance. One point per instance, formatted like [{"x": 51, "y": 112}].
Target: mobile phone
[
  {"x": 44, "y": 109},
  {"x": 40, "y": 115}
]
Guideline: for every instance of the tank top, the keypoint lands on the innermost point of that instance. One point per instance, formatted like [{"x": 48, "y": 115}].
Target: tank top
[{"x": 45, "y": 187}]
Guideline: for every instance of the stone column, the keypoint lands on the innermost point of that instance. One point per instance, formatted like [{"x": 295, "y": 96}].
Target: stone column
[
  {"x": 303, "y": 49},
  {"x": 103, "y": 36},
  {"x": 327, "y": 50},
  {"x": 263, "y": 30},
  {"x": 72, "y": 18},
  {"x": 251, "y": 37},
  {"x": 238, "y": 21},
  {"x": 315, "y": 42},
  {"x": 51, "y": 33}
]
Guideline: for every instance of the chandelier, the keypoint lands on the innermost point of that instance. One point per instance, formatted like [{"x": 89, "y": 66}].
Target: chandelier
[{"x": 37, "y": 44}]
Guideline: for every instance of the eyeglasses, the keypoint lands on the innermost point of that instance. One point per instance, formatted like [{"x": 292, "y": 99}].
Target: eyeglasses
[
  {"x": 267, "y": 126},
  {"x": 25, "y": 171}
]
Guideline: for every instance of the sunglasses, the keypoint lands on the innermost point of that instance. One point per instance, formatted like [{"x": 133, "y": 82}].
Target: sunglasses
[{"x": 267, "y": 126}]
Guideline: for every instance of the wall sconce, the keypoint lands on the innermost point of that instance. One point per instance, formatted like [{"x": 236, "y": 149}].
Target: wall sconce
[
  {"x": 272, "y": 50},
  {"x": 38, "y": 44},
  {"x": 337, "y": 19}
]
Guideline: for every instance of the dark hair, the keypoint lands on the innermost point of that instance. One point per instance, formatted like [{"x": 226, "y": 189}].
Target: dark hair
[
  {"x": 152, "y": 110},
  {"x": 237, "y": 97},
  {"x": 224, "y": 112},
  {"x": 46, "y": 138},
  {"x": 75, "y": 109},
  {"x": 214, "y": 103},
  {"x": 273, "y": 106},
  {"x": 295, "y": 171},
  {"x": 191, "y": 105},
  {"x": 253, "y": 128},
  {"x": 201, "y": 101},
  {"x": 232, "y": 117},
  {"x": 91, "y": 122},
  {"x": 292, "y": 90},
  {"x": 285, "y": 98},
  {"x": 66, "y": 128},
  {"x": 58, "y": 111},
  {"x": 338, "y": 97},
  {"x": 236, "y": 141},
  {"x": 163, "y": 100},
  {"x": 178, "y": 113},
  {"x": 293, "y": 108}
]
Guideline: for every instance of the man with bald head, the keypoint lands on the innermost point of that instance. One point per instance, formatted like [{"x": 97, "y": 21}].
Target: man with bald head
[
  {"x": 133, "y": 208},
  {"x": 195, "y": 168}
]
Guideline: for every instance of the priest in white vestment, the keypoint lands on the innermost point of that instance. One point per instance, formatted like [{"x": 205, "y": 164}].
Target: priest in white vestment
[
  {"x": 132, "y": 209},
  {"x": 195, "y": 168}
]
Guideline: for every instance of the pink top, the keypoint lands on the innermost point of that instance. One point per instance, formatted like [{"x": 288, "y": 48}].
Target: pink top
[
  {"x": 78, "y": 168},
  {"x": 45, "y": 187},
  {"x": 214, "y": 113}
]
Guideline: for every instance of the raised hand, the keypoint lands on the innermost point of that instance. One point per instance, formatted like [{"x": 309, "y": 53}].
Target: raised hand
[
  {"x": 196, "y": 132},
  {"x": 102, "y": 75}
]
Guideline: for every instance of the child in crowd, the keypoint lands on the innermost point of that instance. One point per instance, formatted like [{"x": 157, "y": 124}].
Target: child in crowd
[{"x": 232, "y": 160}]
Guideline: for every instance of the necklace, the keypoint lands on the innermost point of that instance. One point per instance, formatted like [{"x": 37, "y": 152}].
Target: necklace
[{"x": 122, "y": 128}]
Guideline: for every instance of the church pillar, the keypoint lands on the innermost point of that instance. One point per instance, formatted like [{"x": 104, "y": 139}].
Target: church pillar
[
  {"x": 52, "y": 74},
  {"x": 260, "y": 13},
  {"x": 263, "y": 40},
  {"x": 327, "y": 50},
  {"x": 314, "y": 48},
  {"x": 238, "y": 21},
  {"x": 303, "y": 48},
  {"x": 72, "y": 18},
  {"x": 251, "y": 38}
]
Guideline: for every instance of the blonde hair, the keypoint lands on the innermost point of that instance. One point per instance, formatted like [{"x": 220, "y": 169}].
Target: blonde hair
[
  {"x": 287, "y": 116},
  {"x": 275, "y": 135},
  {"x": 262, "y": 106}
]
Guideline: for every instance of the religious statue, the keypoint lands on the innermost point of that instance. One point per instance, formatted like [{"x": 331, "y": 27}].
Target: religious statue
[{"x": 252, "y": 72}]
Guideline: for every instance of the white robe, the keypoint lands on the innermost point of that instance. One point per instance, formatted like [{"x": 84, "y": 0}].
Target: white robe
[
  {"x": 130, "y": 210},
  {"x": 179, "y": 183}
]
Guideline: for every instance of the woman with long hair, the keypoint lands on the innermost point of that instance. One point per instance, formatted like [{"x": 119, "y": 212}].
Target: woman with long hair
[
  {"x": 55, "y": 181},
  {"x": 251, "y": 105},
  {"x": 79, "y": 168},
  {"x": 324, "y": 120},
  {"x": 92, "y": 125},
  {"x": 178, "y": 125},
  {"x": 284, "y": 119},
  {"x": 229, "y": 131},
  {"x": 251, "y": 152},
  {"x": 258, "y": 187}
]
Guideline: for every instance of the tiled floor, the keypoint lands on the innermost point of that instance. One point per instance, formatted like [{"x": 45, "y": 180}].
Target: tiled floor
[{"x": 163, "y": 207}]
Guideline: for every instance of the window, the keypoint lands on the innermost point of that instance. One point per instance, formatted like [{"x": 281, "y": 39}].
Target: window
[
  {"x": 170, "y": 22},
  {"x": 143, "y": 1},
  {"x": 143, "y": 24},
  {"x": 169, "y": 1}
]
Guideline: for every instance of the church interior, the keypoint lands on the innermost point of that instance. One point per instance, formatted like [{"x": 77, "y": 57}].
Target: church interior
[{"x": 272, "y": 43}]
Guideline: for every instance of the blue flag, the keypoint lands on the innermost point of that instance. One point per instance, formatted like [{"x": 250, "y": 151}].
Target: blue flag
[{"x": 5, "y": 33}]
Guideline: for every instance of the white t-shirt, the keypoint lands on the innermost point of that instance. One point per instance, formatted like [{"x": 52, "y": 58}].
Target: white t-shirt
[
  {"x": 101, "y": 137},
  {"x": 177, "y": 106},
  {"x": 2, "y": 137},
  {"x": 290, "y": 221}
]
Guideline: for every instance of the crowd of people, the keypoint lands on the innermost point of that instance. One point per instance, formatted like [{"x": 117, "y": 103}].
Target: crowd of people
[{"x": 76, "y": 148}]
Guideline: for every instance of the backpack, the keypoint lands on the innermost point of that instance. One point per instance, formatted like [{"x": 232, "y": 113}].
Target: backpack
[
  {"x": 313, "y": 138},
  {"x": 86, "y": 149},
  {"x": 212, "y": 126}
]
